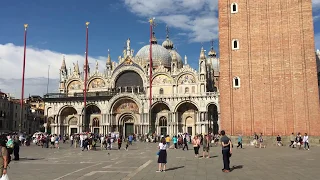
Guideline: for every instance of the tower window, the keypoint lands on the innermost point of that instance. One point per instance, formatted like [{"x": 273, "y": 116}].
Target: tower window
[
  {"x": 235, "y": 44},
  {"x": 236, "y": 82},
  {"x": 161, "y": 91},
  {"x": 234, "y": 8}
]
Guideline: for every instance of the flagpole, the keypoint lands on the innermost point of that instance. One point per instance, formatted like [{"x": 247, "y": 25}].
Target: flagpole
[
  {"x": 48, "y": 79},
  {"x": 150, "y": 67},
  {"x": 23, "y": 73},
  {"x": 85, "y": 81}
]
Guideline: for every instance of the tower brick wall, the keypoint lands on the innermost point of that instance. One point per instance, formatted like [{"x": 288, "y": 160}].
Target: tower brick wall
[{"x": 276, "y": 65}]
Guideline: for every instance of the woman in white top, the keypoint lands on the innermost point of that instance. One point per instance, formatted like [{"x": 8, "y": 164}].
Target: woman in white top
[
  {"x": 162, "y": 159},
  {"x": 306, "y": 141}
]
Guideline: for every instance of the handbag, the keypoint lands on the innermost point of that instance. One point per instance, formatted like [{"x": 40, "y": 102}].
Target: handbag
[{"x": 157, "y": 155}]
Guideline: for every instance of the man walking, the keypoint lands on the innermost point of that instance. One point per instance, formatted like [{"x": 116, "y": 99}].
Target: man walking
[{"x": 226, "y": 151}]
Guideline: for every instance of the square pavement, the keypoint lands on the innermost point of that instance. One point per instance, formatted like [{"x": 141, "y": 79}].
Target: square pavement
[{"x": 140, "y": 162}]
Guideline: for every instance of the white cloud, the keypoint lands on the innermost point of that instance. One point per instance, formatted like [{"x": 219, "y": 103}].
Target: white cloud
[
  {"x": 316, "y": 3},
  {"x": 37, "y": 61},
  {"x": 198, "y": 18}
]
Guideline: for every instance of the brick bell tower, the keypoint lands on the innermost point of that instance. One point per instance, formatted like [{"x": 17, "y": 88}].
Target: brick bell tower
[{"x": 268, "y": 80}]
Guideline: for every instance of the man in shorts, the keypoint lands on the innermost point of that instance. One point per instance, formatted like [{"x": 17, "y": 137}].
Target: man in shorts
[{"x": 205, "y": 144}]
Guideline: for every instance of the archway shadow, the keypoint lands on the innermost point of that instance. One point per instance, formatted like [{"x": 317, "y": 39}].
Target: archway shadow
[
  {"x": 236, "y": 167},
  {"x": 174, "y": 168}
]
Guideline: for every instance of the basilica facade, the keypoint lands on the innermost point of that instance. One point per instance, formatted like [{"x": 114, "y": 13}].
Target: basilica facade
[{"x": 118, "y": 99}]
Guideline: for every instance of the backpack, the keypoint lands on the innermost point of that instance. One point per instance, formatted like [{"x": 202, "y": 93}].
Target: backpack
[{"x": 8, "y": 154}]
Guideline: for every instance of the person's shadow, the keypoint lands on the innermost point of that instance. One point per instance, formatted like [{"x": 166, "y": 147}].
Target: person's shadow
[
  {"x": 236, "y": 167},
  {"x": 174, "y": 168}
]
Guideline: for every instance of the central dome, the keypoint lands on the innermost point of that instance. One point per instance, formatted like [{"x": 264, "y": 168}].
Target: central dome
[{"x": 160, "y": 55}]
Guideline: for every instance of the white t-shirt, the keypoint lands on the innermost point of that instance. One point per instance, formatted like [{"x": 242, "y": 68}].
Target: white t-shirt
[{"x": 162, "y": 146}]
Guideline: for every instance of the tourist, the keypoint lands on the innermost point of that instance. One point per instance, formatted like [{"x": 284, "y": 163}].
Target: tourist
[
  {"x": 299, "y": 140},
  {"x": 261, "y": 141},
  {"x": 16, "y": 149},
  {"x": 56, "y": 142},
  {"x": 127, "y": 144},
  {"x": 196, "y": 145},
  {"x": 306, "y": 141},
  {"x": 119, "y": 142},
  {"x": 162, "y": 158},
  {"x": 4, "y": 159},
  {"x": 85, "y": 144},
  {"x": 168, "y": 139},
  {"x": 130, "y": 138},
  {"x": 292, "y": 138},
  {"x": 226, "y": 151},
  {"x": 71, "y": 140},
  {"x": 102, "y": 142},
  {"x": 175, "y": 141},
  {"x": 239, "y": 141},
  {"x": 185, "y": 142},
  {"x": 206, "y": 143},
  {"x": 279, "y": 142}
]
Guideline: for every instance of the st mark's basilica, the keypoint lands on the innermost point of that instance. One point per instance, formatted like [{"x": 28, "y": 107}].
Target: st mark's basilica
[{"x": 183, "y": 99}]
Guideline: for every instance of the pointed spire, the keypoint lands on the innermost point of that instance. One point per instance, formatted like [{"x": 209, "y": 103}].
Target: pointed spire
[
  {"x": 202, "y": 54},
  {"x": 97, "y": 66},
  {"x": 168, "y": 44},
  {"x": 212, "y": 52},
  {"x": 109, "y": 58},
  {"x": 185, "y": 60},
  {"x": 167, "y": 31},
  {"x": 77, "y": 68},
  {"x": 63, "y": 66}
]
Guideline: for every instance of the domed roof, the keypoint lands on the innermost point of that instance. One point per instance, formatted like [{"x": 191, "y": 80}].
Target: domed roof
[
  {"x": 179, "y": 58},
  {"x": 160, "y": 55},
  {"x": 168, "y": 44}
]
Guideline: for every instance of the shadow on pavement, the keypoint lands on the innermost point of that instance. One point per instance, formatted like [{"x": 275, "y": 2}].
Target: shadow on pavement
[
  {"x": 174, "y": 168},
  {"x": 236, "y": 167},
  {"x": 30, "y": 159}
]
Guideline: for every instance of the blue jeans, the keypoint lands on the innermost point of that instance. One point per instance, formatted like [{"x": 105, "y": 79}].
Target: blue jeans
[{"x": 306, "y": 144}]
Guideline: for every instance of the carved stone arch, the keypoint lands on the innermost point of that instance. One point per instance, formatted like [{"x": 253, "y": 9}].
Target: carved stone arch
[
  {"x": 184, "y": 75},
  {"x": 186, "y": 101},
  {"x": 98, "y": 81},
  {"x": 118, "y": 97},
  {"x": 160, "y": 77},
  {"x": 160, "y": 102},
  {"x": 92, "y": 104},
  {"x": 66, "y": 106},
  {"x": 213, "y": 103},
  {"x": 49, "y": 111},
  {"x": 123, "y": 69},
  {"x": 73, "y": 121},
  {"x": 66, "y": 112}
]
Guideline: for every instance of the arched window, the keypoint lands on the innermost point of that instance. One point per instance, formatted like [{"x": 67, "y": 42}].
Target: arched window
[
  {"x": 95, "y": 122},
  {"x": 163, "y": 121},
  {"x": 161, "y": 91},
  {"x": 236, "y": 82},
  {"x": 234, "y": 8},
  {"x": 186, "y": 90},
  {"x": 235, "y": 44}
]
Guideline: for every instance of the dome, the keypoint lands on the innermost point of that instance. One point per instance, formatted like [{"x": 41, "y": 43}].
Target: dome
[
  {"x": 212, "y": 53},
  {"x": 180, "y": 62},
  {"x": 168, "y": 44},
  {"x": 160, "y": 55}
]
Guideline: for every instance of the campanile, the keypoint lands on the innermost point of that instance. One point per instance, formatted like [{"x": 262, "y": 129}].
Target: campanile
[{"x": 268, "y": 80}]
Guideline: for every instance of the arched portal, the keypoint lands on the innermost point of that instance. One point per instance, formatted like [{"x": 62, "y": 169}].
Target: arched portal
[
  {"x": 120, "y": 111},
  {"x": 213, "y": 118},
  {"x": 187, "y": 118},
  {"x": 129, "y": 81},
  {"x": 126, "y": 124},
  {"x": 66, "y": 113},
  {"x": 159, "y": 109},
  {"x": 92, "y": 111},
  {"x": 96, "y": 125},
  {"x": 163, "y": 125}
]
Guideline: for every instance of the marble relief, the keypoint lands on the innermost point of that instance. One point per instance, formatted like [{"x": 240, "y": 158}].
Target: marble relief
[
  {"x": 127, "y": 106},
  {"x": 162, "y": 79},
  {"x": 97, "y": 83},
  {"x": 74, "y": 85}
]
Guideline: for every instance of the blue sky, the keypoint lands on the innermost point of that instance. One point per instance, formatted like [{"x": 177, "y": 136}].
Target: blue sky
[{"x": 58, "y": 27}]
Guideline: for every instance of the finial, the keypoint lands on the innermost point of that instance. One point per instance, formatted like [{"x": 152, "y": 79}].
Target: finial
[
  {"x": 25, "y": 26},
  {"x": 87, "y": 24},
  {"x": 109, "y": 58},
  {"x": 167, "y": 30},
  {"x": 212, "y": 44}
]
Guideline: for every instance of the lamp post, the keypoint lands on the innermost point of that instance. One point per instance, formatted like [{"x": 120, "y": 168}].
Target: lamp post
[
  {"x": 86, "y": 125},
  {"x": 23, "y": 73}
]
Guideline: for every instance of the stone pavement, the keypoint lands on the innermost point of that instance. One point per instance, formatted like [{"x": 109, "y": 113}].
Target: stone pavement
[{"x": 139, "y": 163}]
